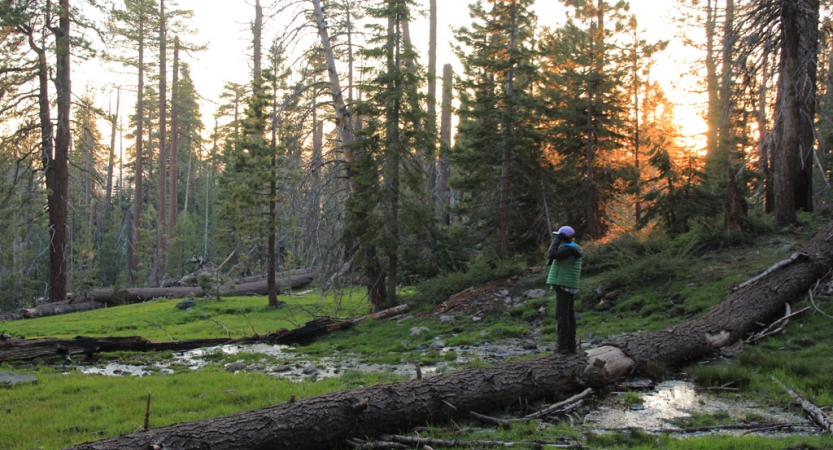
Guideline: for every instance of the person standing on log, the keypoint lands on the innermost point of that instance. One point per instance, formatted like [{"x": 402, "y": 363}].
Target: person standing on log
[{"x": 564, "y": 258}]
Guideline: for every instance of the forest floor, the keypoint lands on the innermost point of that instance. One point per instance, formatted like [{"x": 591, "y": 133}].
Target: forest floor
[{"x": 724, "y": 401}]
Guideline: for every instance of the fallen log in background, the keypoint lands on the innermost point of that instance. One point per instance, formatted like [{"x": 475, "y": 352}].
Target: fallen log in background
[
  {"x": 51, "y": 309},
  {"x": 26, "y": 349},
  {"x": 104, "y": 297},
  {"x": 296, "y": 279},
  {"x": 329, "y": 419}
]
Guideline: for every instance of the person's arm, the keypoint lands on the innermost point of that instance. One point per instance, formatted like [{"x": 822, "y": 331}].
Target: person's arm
[
  {"x": 552, "y": 251},
  {"x": 566, "y": 251}
]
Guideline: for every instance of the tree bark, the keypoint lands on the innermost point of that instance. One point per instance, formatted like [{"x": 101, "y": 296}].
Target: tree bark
[
  {"x": 162, "y": 213},
  {"x": 343, "y": 122},
  {"x": 138, "y": 196},
  {"x": 712, "y": 86},
  {"x": 444, "y": 168},
  {"x": 111, "y": 160},
  {"x": 173, "y": 179},
  {"x": 393, "y": 160},
  {"x": 57, "y": 199},
  {"x": 797, "y": 86},
  {"x": 325, "y": 420},
  {"x": 431, "y": 159}
]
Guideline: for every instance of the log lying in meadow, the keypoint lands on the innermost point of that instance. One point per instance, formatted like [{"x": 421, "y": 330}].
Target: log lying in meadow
[{"x": 295, "y": 279}]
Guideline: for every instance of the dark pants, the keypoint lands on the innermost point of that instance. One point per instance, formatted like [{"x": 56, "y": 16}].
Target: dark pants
[{"x": 565, "y": 317}]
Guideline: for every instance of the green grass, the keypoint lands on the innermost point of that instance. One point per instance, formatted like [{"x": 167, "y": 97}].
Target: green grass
[
  {"x": 156, "y": 320},
  {"x": 66, "y": 409}
]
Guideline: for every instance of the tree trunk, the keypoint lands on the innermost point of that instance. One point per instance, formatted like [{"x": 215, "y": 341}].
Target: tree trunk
[
  {"x": 509, "y": 141},
  {"x": 735, "y": 208},
  {"x": 47, "y": 143},
  {"x": 111, "y": 160},
  {"x": 712, "y": 88},
  {"x": 138, "y": 196},
  {"x": 797, "y": 86},
  {"x": 808, "y": 24},
  {"x": 431, "y": 159},
  {"x": 58, "y": 198},
  {"x": 316, "y": 186},
  {"x": 766, "y": 135},
  {"x": 161, "y": 225},
  {"x": 444, "y": 169},
  {"x": 393, "y": 156},
  {"x": 173, "y": 179},
  {"x": 343, "y": 122},
  {"x": 637, "y": 207},
  {"x": 327, "y": 420},
  {"x": 596, "y": 223}
]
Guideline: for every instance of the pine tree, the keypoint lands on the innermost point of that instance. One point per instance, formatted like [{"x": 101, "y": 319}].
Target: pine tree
[
  {"x": 498, "y": 154},
  {"x": 585, "y": 76},
  {"x": 130, "y": 30},
  {"x": 386, "y": 176}
]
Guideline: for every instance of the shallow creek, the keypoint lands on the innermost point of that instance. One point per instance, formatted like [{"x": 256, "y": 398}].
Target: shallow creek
[{"x": 298, "y": 367}]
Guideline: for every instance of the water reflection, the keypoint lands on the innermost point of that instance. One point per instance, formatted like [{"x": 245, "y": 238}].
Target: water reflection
[{"x": 677, "y": 399}]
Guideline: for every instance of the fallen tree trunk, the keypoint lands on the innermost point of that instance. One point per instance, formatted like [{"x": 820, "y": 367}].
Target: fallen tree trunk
[
  {"x": 296, "y": 280},
  {"x": 329, "y": 419},
  {"x": 26, "y": 349},
  {"x": 51, "y": 309}
]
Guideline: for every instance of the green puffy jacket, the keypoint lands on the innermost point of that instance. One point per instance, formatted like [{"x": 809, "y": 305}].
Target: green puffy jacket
[{"x": 565, "y": 264}]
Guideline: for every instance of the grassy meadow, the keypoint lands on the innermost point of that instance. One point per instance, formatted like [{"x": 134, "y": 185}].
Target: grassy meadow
[{"x": 657, "y": 282}]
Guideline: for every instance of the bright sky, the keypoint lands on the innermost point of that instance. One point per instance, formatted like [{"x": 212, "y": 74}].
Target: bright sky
[{"x": 224, "y": 26}]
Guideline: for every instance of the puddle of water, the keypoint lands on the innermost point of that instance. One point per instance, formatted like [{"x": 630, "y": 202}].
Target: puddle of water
[
  {"x": 678, "y": 399},
  {"x": 115, "y": 370}
]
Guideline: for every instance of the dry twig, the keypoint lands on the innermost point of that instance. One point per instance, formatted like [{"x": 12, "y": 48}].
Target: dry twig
[
  {"x": 161, "y": 328},
  {"x": 812, "y": 410},
  {"x": 813, "y": 302},
  {"x": 222, "y": 325},
  {"x": 560, "y": 406},
  {"x": 493, "y": 420},
  {"x": 775, "y": 327},
  {"x": 793, "y": 258}
]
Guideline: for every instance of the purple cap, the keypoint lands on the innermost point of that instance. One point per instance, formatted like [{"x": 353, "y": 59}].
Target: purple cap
[{"x": 566, "y": 231}]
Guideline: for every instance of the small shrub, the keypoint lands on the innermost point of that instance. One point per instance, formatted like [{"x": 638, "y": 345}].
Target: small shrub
[
  {"x": 438, "y": 289},
  {"x": 632, "y": 398}
]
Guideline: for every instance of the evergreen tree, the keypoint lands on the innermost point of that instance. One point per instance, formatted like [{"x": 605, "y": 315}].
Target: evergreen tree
[
  {"x": 498, "y": 154},
  {"x": 587, "y": 132},
  {"x": 385, "y": 172},
  {"x": 130, "y": 30}
]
